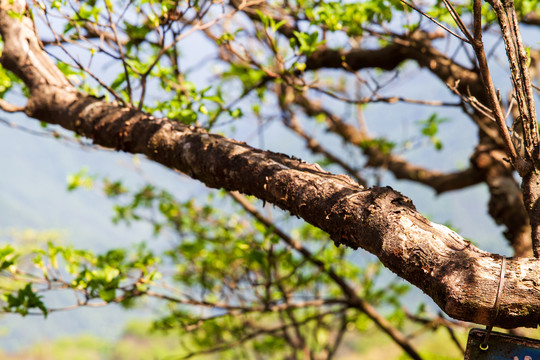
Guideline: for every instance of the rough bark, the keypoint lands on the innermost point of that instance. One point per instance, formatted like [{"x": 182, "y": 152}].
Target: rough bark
[
  {"x": 459, "y": 277},
  {"x": 489, "y": 164},
  {"x": 506, "y": 202},
  {"x": 527, "y": 164}
]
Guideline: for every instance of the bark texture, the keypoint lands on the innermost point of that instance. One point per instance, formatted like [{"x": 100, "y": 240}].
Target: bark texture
[
  {"x": 488, "y": 162},
  {"x": 459, "y": 277}
]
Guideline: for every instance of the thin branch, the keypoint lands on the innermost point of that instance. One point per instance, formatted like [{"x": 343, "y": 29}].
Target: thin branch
[
  {"x": 400, "y": 167},
  {"x": 477, "y": 19},
  {"x": 473, "y": 101},
  {"x": 244, "y": 309},
  {"x": 292, "y": 123},
  {"x": 54, "y": 134},
  {"x": 385, "y": 99},
  {"x": 10, "y": 108},
  {"x": 438, "y": 321},
  {"x": 457, "y": 19},
  {"x": 435, "y": 21},
  {"x": 497, "y": 112},
  {"x": 121, "y": 52},
  {"x": 353, "y": 297}
]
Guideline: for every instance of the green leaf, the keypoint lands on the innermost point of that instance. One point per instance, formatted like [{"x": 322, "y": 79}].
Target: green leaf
[
  {"x": 430, "y": 128},
  {"x": 23, "y": 301},
  {"x": 55, "y": 4},
  {"x": 7, "y": 257},
  {"x": 107, "y": 295},
  {"x": 80, "y": 179}
]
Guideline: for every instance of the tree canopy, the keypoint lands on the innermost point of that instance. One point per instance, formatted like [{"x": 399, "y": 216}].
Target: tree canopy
[{"x": 309, "y": 66}]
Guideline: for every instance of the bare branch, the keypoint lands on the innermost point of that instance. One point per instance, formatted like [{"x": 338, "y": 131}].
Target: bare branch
[
  {"x": 9, "y": 107},
  {"x": 400, "y": 167},
  {"x": 528, "y": 165},
  {"x": 497, "y": 112},
  {"x": 120, "y": 48},
  {"x": 376, "y": 98},
  {"x": 458, "y": 21},
  {"x": 348, "y": 290},
  {"x": 435, "y": 21}
]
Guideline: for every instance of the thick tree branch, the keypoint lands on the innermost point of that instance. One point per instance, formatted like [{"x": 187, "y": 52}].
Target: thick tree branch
[
  {"x": 528, "y": 162},
  {"x": 490, "y": 166},
  {"x": 351, "y": 294},
  {"x": 531, "y": 19},
  {"x": 505, "y": 202},
  {"x": 416, "y": 46},
  {"x": 459, "y": 277}
]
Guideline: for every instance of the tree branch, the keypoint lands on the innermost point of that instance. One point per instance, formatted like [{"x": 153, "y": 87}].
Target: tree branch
[
  {"x": 459, "y": 277},
  {"x": 496, "y": 110},
  {"x": 528, "y": 164},
  {"x": 506, "y": 202},
  {"x": 351, "y": 294},
  {"x": 416, "y": 46},
  {"x": 531, "y": 19},
  {"x": 9, "y": 107},
  {"x": 400, "y": 167}
]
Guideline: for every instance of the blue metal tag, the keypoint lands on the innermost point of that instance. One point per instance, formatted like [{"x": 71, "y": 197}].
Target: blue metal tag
[{"x": 501, "y": 347}]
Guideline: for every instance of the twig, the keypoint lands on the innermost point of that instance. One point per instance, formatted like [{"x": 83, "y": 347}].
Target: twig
[
  {"x": 353, "y": 297},
  {"x": 120, "y": 51},
  {"x": 435, "y": 21},
  {"x": 478, "y": 46},
  {"x": 386, "y": 99},
  {"x": 457, "y": 19},
  {"x": 9, "y": 107}
]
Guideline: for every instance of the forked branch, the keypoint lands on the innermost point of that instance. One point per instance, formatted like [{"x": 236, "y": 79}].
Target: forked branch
[{"x": 459, "y": 277}]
